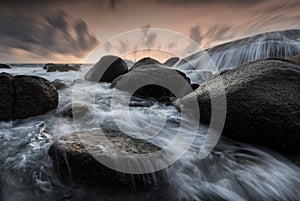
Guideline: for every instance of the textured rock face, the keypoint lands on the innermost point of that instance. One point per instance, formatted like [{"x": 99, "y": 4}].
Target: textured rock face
[
  {"x": 73, "y": 161},
  {"x": 143, "y": 62},
  {"x": 6, "y": 96},
  {"x": 4, "y": 66},
  {"x": 262, "y": 104},
  {"x": 107, "y": 69},
  {"x": 60, "y": 67},
  {"x": 171, "y": 62},
  {"x": 25, "y": 96},
  {"x": 163, "y": 82}
]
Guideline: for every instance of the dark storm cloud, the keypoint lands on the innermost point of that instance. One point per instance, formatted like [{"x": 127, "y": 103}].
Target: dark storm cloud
[{"x": 45, "y": 35}]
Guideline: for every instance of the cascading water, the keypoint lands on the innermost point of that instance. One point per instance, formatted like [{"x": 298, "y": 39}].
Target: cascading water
[
  {"x": 231, "y": 172},
  {"x": 280, "y": 44}
]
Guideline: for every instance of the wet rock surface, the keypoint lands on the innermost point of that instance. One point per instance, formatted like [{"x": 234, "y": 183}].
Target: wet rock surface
[
  {"x": 25, "y": 96},
  {"x": 262, "y": 104},
  {"x": 50, "y": 67},
  {"x": 4, "y": 66},
  {"x": 156, "y": 81},
  {"x": 107, "y": 69},
  {"x": 171, "y": 62},
  {"x": 143, "y": 62},
  {"x": 73, "y": 160}
]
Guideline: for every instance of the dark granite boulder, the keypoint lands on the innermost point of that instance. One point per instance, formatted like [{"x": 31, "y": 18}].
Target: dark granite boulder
[
  {"x": 263, "y": 105},
  {"x": 107, "y": 69}
]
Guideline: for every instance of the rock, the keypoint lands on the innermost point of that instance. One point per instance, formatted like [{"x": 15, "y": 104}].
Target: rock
[
  {"x": 6, "y": 96},
  {"x": 171, "y": 62},
  {"x": 295, "y": 59},
  {"x": 77, "y": 109},
  {"x": 143, "y": 62},
  {"x": 155, "y": 81},
  {"x": 277, "y": 44},
  {"x": 50, "y": 67},
  {"x": 115, "y": 66},
  {"x": 262, "y": 104},
  {"x": 25, "y": 96},
  {"x": 59, "y": 84},
  {"x": 73, "y": 160},
  {"x": 4, "y": 66},
  {"x": 33, "y": 96}
]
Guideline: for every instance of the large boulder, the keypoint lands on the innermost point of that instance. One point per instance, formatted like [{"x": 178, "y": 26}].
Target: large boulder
[
  {"x": 154, "y": 81},
  {"x": 33, "y": 96},
  {"x": 25, "y": 96},
  {"x": 4, "y": 66},
  {"x": 107, "y": 69},
  {"x": 50, "y": 67},
  {"x": 143, "y": 62},
  {"x": 171, "y": 62},
  {"x": 75, "y": 159},
  {"x": 262, "y": 104},
  {"x": 276, "y": 44},
  {"x": 6, "y": 96}
]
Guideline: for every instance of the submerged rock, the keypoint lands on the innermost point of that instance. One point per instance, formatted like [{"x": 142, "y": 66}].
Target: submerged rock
[
  {"x": 4, "y": 66},
  {"x": 25, "y": 96},
  {"x": 50, "y": 67},
  {"x": 262, "y": 104},
  {"x": 59, "y": 84},
  {"x": 73, "y": 160},
  {"x": 74, "y": 109},
  {"x": 154, "y": 81},
  {"x": 171, "y": 62},
  {"x": 143, "y": 62},
  {"x": 107, "y": 69}
]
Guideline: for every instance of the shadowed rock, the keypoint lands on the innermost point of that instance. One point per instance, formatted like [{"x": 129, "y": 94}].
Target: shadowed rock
[
  {"x": 73, "y": 160},
  {"x": 171, "y": 62},
  {"x": 143, "y": 62},
  {"x": 33, "y": 96},
  {"x": 263, "y": 105},
  {"x": 154, "y": 81},
  {"x": 50, "y": 67},
  {"x": 4, "y": 66},
  {"x": 6, "y": 96},
  {"x": 107, "y": 69},
  {"x": 25, "y": 96},
  {"x": 59, "y": 84}
]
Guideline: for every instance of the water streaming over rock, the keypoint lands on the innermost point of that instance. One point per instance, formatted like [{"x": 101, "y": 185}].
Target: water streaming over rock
[{"x": 280, "y": 44}]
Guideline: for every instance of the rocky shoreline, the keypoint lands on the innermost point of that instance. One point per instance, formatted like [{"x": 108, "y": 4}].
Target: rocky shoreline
[{"x": 262, "y": 109}]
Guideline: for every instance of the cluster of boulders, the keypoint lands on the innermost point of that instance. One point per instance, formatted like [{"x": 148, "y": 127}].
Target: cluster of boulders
[
  {"x": 147, "y": 78},
  {"x": 25, "y": 96},
  {"x": 50, "y": 67}
]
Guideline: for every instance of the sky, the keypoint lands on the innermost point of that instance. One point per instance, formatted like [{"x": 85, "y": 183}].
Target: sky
[{"x": 68, "y": 31}]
